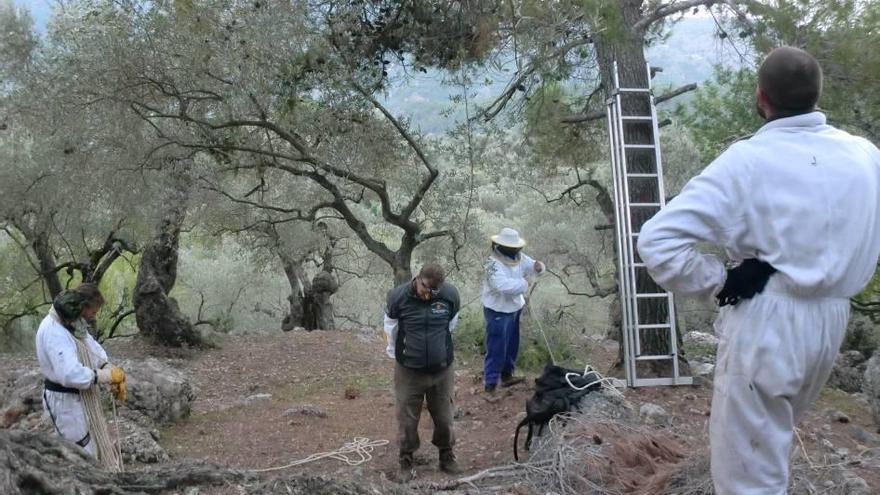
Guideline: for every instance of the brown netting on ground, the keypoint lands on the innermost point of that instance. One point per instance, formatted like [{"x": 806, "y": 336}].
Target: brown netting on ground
[
  {"x": 643, "y": 465},
  {"x": 606, "y": 450},
  {"x": 618, "y": 456}
]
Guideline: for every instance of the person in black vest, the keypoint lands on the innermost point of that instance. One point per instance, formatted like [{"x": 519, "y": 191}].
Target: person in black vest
[{"x": 420, "y": 316}]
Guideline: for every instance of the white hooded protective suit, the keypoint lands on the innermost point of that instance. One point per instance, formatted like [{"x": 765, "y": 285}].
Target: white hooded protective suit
[
  {"x": 804, "y": 197},
  {"x": 56, "y": 352}
]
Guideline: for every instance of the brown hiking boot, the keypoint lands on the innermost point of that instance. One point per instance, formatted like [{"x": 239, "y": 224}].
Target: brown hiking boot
[
  {"x": 509, "y": 379},
  {"x": 448, "y": 464},
  {"x": 490, "y": 396},
  {"x": 406, "y": 472}
]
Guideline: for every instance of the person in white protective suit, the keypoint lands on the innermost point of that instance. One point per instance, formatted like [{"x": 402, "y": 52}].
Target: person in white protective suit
[
  {"x": 505, "y": 284},
  {"x": 798, "y": 204},
  {"x": 66, "y": 377}
]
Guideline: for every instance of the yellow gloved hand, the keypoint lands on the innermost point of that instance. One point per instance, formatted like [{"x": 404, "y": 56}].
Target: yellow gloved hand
[
  {"x": 119, "y": 391},
  {"x": 113, "y": 375},
  {"x": 117, "y": 375}
]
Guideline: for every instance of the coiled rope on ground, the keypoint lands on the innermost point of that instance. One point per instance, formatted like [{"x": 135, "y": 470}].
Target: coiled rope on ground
[{"x": 353, "y": 453}]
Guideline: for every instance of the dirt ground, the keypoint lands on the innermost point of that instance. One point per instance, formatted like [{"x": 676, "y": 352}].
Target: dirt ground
[{"x": 347, "y": 376}]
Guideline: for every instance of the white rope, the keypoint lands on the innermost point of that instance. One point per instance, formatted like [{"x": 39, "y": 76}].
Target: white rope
[
  {"x": 539, "y": 325},
  {"x": 118, "y": 436},
  {"x": 108, "y": 455},
  {"x": 353, "y": 453},
  {"x": 606, "y": 383}
]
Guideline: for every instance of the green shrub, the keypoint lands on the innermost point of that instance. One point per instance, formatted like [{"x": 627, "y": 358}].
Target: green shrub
[
  {"x": 861, "y": 335},
  {"x": 469, "y": 337},
  {"x": 470, "y": 341}
]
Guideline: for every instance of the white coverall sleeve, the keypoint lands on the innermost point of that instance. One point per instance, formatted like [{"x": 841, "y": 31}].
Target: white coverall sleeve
[
  {"x": 503, "y": 283},
  {"x": 529, "y": 267},
  {"x": 390, "y": 325},
  {"x": 453, "y": 323},
  {"x": 99, "y": 355},
  {"x": 62, "y": 354},
  {"x": 708, "y": 209}
]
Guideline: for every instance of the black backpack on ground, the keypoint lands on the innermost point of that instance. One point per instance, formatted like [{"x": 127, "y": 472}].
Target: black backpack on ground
[{"x": 553, "y": 395}]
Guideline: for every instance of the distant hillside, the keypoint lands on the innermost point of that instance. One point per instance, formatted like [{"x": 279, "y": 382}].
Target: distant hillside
[{"x": 688, "y": 55}]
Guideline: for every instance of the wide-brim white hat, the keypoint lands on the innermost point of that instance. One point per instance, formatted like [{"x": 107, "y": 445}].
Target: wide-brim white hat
[{"x": 508, "y": 238}]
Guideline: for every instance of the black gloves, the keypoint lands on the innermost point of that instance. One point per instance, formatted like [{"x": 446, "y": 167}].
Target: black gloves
[{"x": 744, "y": 281}]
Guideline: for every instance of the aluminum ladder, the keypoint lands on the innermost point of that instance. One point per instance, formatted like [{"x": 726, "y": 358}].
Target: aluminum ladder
[{"x": 637, "y": 173}]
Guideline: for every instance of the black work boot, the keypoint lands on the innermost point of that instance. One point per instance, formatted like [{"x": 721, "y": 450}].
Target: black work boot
[
  {"x": 508, "y": 379},
  {"x": 406, "y": 472},
  {"x": 448, "y": 464}
]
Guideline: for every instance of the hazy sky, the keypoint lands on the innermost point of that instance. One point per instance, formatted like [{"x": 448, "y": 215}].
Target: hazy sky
[{"x": 40, "y": 10}]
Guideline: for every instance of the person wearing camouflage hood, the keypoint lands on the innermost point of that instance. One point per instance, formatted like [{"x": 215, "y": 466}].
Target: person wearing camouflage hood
[{"x": 73, "y": 362}]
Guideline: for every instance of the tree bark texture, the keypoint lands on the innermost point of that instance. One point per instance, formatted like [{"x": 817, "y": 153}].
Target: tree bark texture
[
  {"x": 299, "y": 285},
  {"x": 158, "y": 315},
  {"x": 44, "y": 464},
  {"x": 625, "y": 46},
  {"x": 47, "y": 263}
]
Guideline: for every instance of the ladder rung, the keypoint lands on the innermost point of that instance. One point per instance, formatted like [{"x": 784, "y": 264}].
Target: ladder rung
[
  {"x": 640, "y": 146},
  {"x": 653, "y": 326},
  {"x": 634, "y": 90},
  {"x": 658, "y": 357},
  {"x": 638, "y": 265},
  {"x": 641, "y": 175},
  {"x": 644, "y": 205},
  {"x": 641, "y": 118},
  {"x": 635, "y": 234},
  {"x": 655, "y": 295}
]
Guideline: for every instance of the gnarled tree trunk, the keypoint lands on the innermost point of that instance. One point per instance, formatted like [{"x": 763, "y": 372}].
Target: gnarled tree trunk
[
  {"x": 401, "y": 264},
  {"x": 299, "y": 286},
  {"x": 43, "y": 463},
  {"x": 158, "y": 315},
  {"x": 47, "y": 263}
]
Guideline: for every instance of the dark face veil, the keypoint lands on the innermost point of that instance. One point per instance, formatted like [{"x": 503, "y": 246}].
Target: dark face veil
[{"x": 508, "y": 252}]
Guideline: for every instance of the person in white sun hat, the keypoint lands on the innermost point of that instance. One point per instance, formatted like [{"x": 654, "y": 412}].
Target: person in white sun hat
[{"x": 504, "y": 287}]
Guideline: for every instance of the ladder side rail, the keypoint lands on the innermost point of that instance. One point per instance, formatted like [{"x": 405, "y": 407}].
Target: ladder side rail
[
  {"x": 628, "y": 244},
  {"x": 618, "y": 228},
  {"x": 673, "y": 327},
  {"x": 628, "y": 310}
]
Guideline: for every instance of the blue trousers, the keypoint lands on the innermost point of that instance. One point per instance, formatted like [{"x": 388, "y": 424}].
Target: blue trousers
[{"x": 502, "y": 344}]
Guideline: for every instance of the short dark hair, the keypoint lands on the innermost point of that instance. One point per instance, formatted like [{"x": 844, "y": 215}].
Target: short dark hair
[
  {"x": 90, "y": 294},
  {"x": 433, "y": 274},
  {"x": 791, "y": 79}
]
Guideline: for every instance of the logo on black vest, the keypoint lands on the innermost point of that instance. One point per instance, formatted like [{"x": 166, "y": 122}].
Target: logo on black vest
[{"x": 439, "y": 308}]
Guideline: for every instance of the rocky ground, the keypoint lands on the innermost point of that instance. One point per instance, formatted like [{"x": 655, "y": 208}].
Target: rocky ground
[{"x": 263, "y": 401}]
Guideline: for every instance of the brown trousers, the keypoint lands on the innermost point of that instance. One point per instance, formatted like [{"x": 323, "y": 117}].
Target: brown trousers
[{"x": 411, "y": 389}]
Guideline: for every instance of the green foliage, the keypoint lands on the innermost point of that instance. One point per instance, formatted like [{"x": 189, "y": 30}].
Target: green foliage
[
  {"x": 694, "y": 351},
  {"x": 470, "y": 341},
  {"x": 561, "y": 342},
  {"x": 862, "y": 334},
  {"x": 117, "y": 287},
  {"x": 867, "y": 302},
  {"x": 555, "y": 144},
  {"x": 469, "y": 337},
  {"x": 721, "y": 111},
  {"x": 843, "y": 36}
]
